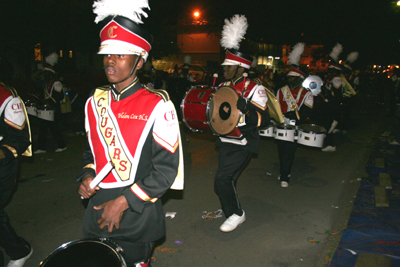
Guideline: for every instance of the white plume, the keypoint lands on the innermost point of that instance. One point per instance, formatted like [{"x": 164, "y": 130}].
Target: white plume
[
  {"x": 352, "y": 57},
  {"x": 336, "y": 52},
  {"x": 52, "y": 59},
  {"x": 295, "y": 55},
  {"x": 233, "y": 32},
  {"x": 131, "y": 9}
]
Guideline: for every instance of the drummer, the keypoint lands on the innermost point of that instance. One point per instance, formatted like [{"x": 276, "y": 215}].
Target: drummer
[
  {"x": 236, "y": 149},
  {"x": 143, "y": 145},
  {"x": 53, "y": 94},
  {"x": 296, "y": 104}
]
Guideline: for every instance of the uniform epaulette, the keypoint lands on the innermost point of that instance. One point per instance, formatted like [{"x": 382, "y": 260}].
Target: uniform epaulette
[
  {"x": 104, "y": 87},
  {"x": 10, "y": 89},
  {"x": 162, "y": 93},
  {"x": 258, "y": 81}
]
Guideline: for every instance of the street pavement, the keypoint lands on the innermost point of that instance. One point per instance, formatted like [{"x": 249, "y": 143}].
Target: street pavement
[{"x": 295, "y": 226}]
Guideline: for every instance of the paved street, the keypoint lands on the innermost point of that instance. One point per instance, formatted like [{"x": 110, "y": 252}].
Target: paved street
[{"x": 284, "y": 226}]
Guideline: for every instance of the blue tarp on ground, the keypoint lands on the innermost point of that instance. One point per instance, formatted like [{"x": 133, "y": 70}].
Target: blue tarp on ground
[{"x": 373, "y": 230}]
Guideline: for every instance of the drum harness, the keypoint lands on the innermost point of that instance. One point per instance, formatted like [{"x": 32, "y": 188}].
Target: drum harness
[{"x": 293, "y": 103}]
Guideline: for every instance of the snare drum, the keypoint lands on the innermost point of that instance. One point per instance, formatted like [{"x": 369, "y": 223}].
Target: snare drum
[
  {"x": 86, "y": 253},
  {"x": 31, "y": 108},
  {"x": 45, "y": 112},
  {"x": 207, "y": 110},
  {"x": 311, "y": 135},
  {"x": 268, "y": 132},
  {"x": 285, "y": 132}
]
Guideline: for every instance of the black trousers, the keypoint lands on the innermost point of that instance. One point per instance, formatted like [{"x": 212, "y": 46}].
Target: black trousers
[
  {"x": 15, "y": 247},
  {"x": 232, "y": 160},
  {"x": 286, "y": 151},
  {"x": 54, "y": 127}
]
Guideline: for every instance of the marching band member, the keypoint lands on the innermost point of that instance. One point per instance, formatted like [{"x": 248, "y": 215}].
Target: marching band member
[
  {"x": 53, "y": 95},
  {"x": 15, "y": 140},
  {"x": 337, "y": 89},
  {"x": 236, "y": 150},
  {"x": 133, "y": 129},
  {"x": 296, "y": 104}
]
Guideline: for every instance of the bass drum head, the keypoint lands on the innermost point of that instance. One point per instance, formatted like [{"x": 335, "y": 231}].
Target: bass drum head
[
  {"x": 84, "y": 253},
  {"x": 222, "y": 112}
]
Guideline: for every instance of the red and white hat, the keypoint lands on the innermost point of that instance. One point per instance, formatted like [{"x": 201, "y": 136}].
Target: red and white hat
[
  {"x": 121, "y": 33},
  {"x": 232, "y": 34},
  {"x": 296, "y": 71},
  {"x": 233, "y": 57}
]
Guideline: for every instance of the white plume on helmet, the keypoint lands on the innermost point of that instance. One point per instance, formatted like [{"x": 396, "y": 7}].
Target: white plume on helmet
[
  {"x": 337, "y": 49},
  {"x": 233, "y": 32},
  {"x": 295, "y": 55},
  {"x": 52, "y": 59},
  {"x": 352, "y": 57},
  {"x": 131, "y": 9}
]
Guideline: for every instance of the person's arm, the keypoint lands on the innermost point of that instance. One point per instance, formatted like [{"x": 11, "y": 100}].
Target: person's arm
[
  {"x": 16, "y": 130},
  {"x": 254, "y": 108},
  {"x": 164, "y": 142}
]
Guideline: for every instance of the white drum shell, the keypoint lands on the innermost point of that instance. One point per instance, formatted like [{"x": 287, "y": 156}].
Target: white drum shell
[
  {"x": 31, "y": 110},
  {"x": 47, "y": 115},
  {"x": 268, "y": 132},
  {"x": 310, "y": 138},
  {"x": 285, "y": 134}
]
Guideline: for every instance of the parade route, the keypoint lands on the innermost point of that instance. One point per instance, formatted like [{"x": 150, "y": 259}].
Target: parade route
[{"x": 295, "y": 226}]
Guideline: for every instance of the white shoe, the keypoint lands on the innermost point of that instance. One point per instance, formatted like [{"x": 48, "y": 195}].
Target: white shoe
[
  {"x": 232, "y": 223},
  {"x": 61, "y": 149},
  {"x": 20, "y": 262},
  {"x": 39, "y": 151},
  {"x": 284, "y": 184},
  {"x": 394, "y": 142},
  {"x": 329, "y": 149}
]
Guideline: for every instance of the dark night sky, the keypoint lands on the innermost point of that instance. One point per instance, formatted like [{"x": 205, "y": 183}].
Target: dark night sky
[{"x": 370, "y": 27}]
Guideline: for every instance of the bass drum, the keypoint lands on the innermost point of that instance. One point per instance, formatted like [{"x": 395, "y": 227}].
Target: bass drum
[
  {"x": 311, "y": 135},
  {"x": 208, "y": 110},
  {"x": 222, "y": 112},
  {"x": 86, "y": 253}
]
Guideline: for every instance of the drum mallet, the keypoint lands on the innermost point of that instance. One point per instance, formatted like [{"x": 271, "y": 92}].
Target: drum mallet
[{"x": 215, "y": 75}]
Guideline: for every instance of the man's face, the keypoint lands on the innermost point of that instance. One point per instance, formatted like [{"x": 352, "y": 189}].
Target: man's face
[
  {"x": 229, "y": 72},
  {"x": 294, "y": 82},
  {"x": 118, "y": 68}
]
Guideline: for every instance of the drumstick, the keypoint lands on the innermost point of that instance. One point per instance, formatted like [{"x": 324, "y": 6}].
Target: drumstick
[{"x": 101, "y": 175}]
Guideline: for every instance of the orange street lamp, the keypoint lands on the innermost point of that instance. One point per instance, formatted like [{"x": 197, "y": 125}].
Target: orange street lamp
[{"x": 196, "y": 14}]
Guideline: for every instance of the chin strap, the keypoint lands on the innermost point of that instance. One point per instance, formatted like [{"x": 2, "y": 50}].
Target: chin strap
[{"x": 133, "y": 69}]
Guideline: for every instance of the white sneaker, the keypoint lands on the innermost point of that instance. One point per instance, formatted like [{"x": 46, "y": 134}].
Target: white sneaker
[
  {"x": 232, "y": 223},
  {"x": 394, "y": 142},
  {"x": 39, "y": 151},
  {"x": 61, "y": 149},
  {"x": 284, "y": 184},
  {"x": 329, "y": 149},
  {"x": 20, "y": 262}
]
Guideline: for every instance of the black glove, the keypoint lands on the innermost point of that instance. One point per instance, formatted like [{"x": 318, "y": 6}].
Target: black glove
[{"x": 242, "y": 105}]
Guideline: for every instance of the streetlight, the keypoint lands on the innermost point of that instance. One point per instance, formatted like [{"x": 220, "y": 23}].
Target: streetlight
[{"x": 196, "y": 14}]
